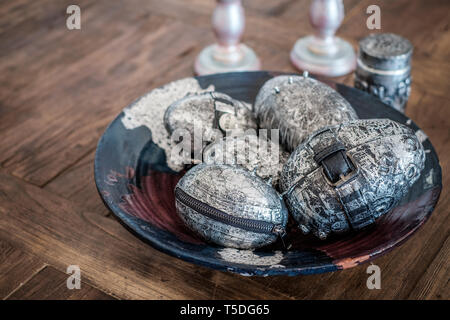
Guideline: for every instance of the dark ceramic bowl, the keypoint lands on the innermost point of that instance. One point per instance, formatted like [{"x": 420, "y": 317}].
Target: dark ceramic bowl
[{"x": 136, "y": 184}]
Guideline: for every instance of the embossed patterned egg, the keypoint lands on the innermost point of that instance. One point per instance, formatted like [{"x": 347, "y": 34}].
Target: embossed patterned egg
[
  {"x": 208, "y": 115},
  {"x": 230, "y": 206},
  {"x": 345, "y": 177},
  {"x": 252, "y": 152},
  {"x": 298, "y": 106}
]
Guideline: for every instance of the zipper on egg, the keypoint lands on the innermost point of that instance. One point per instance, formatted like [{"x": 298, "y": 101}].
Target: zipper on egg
[{"x": 220, "y": 216}]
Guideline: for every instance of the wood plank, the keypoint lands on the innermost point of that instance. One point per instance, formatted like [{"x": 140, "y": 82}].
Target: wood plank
[
  {"x": 274, "y": 8},
  {"x": 294, "y": 12},
  {"x": 435, "y": 283},
  {"x": 51, "y": 284},
  {"x": 431, "y": 75},
  {"x": 77, "y": 184},
  {"x": 63, "y": 140},
  {"x": 110, "y": 257},
  {"x": 440, "y": 49},
  {"x": 424, "y": 114},
  {"x": 16, "y": 267}
]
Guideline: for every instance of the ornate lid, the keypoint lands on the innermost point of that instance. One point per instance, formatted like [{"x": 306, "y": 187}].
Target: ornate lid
[{"x": 385, "y": 51}]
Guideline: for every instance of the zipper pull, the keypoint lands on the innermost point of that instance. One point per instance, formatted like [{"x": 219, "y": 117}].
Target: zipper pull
[{"x": 281, "y": 232}]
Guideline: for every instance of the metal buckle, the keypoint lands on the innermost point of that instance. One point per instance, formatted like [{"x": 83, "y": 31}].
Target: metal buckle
[{"x": 343, "y": 179}]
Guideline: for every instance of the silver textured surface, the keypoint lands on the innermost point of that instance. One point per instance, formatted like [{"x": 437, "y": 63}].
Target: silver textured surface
[
  {"x": 385, "y": 51},
  {"x": 237, "y": 192},
  {"x": 251, "y": 152},
  {"x": 197, "y": 114},
  {"x": 390, "y": 159},
  {"x": 299, "y": 106}
]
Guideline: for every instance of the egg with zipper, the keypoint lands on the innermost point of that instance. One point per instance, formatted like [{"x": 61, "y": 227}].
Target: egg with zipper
[{"x": 230, "y": 206}]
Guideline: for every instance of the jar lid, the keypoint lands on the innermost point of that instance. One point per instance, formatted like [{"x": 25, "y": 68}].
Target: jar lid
[{"x": 385, "y": 51}]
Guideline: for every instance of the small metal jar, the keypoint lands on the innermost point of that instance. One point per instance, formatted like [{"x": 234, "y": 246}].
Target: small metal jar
[{"x": 384, "y": 68}]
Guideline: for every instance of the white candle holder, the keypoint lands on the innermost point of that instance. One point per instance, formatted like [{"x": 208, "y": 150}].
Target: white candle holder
[
  {"x": 323, "y": 53},
  {"x": 228, "y": 54}
]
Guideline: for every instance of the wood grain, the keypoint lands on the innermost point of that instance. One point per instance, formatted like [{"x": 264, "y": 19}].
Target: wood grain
[
  {"x": 16, "y": 268},
  {"x": 434, "y": 284},
  {"x": 59, "y": 89},
  {"x": 51, "y": 284}
]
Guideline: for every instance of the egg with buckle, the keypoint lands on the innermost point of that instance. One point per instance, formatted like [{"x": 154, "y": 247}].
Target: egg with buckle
[
  {"x": 206, "y": 117},
  {"x": 345, "y": 177}
]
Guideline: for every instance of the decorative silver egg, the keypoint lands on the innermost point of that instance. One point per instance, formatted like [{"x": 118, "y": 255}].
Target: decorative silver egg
[
  {"x": 230, "y": 206},
  {"x": 255, "y": 153},
  {"x": 298, "y": 106},
  {"x": 345, "y": 177},
  {"x": 206, "y": 117}
]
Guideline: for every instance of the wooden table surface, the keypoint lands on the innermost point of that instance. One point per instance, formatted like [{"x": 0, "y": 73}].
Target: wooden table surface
[{"x": 60, "y": 89}]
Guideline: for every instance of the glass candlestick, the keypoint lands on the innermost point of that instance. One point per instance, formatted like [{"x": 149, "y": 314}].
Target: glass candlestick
[
  {"x": 323, "y": 53},
  {"x": 228, "y": 54}
]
